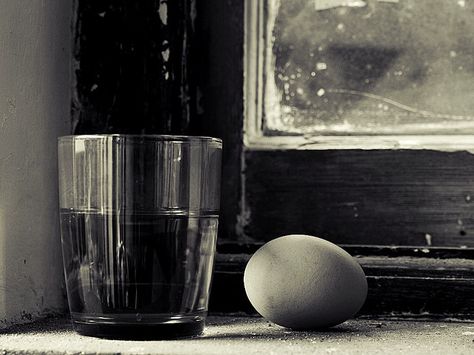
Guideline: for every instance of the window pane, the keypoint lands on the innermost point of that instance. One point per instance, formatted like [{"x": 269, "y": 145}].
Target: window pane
[{"x": 369, "y": 67}]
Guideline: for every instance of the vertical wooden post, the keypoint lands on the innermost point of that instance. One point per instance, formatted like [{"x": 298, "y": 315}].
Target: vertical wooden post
[{"x": 133, "y": 66}]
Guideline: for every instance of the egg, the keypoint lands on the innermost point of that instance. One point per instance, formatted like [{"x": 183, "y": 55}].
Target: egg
[{"x": 304, "y": 282}]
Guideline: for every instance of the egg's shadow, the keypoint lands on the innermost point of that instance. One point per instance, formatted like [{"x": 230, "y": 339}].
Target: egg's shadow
[
  {"x": 323, "y": 330},
  {"x": 270, "y": 331},
  {"x": 284, "y": 335}
]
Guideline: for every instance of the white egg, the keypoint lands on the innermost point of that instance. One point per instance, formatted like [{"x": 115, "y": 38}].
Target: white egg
[{"x": 304, "y": 282}]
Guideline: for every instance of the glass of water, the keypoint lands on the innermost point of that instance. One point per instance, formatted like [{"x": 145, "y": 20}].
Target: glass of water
[{"x": 139, "y": 217}]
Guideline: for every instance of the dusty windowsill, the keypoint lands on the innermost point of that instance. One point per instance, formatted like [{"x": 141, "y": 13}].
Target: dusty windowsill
[{"x": 246, "y": 335}]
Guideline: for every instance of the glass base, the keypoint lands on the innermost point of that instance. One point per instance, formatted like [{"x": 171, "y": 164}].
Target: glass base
[{"x": 148, "y": 327}]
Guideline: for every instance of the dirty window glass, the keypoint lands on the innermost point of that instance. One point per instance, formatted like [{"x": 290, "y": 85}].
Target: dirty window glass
[{"x": 369, "y": 67}]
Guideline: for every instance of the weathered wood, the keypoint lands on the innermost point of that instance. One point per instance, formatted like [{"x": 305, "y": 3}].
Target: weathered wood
[
  {"x": 134, "y": 66},
  {"x": 400, "y": 286},
  {"x": 245, "y": 248},
  {"x": 375, "y": 197},
  {"x": 221, "y": 31}
]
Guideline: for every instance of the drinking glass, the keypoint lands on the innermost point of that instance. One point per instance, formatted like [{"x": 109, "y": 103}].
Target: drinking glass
[{"x": 139, "y": 217}]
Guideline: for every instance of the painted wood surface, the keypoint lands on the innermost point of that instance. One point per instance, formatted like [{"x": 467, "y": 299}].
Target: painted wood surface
[
  {"x": 135, "y": 66},
  {"x": 403, "y": 286},
  {"x": 374, "y": 197}
]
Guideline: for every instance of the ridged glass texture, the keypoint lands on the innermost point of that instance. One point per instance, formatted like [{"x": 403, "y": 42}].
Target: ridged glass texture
[{"x": 139, "y": 217}]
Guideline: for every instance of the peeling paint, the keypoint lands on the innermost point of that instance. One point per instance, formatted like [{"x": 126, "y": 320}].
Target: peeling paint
[
  {"x": 320, "y": 5},
  {"x": 244, "y": 217},
  {"x": 166, "y": 80},
  {"x": 163, "y": 12},
  {"x": 428, "y": 239},
  {"x": 166, "y": 54}
]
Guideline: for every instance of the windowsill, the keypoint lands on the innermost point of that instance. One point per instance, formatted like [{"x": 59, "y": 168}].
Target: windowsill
[
  {"x": 447, "y": 143},
  {"x": 250, "y": 335}
]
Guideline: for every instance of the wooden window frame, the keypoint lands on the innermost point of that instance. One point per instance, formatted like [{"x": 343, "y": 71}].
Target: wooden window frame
[
  {"x": 255, "y": 139},
  {"x": 404, "y": 281}
]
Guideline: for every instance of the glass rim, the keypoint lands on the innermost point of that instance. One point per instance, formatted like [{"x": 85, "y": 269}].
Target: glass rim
[{"x": 141, "y": 137}]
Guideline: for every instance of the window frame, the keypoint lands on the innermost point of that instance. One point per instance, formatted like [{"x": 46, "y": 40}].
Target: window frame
[
  {"x": 254, "y": 81},
  {"x": 404, "y": 281}
]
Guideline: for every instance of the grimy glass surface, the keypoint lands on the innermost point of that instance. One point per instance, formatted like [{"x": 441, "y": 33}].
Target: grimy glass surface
[
  {"x": 139, "y": 217},
  {"x": 369, "y": 67}
]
